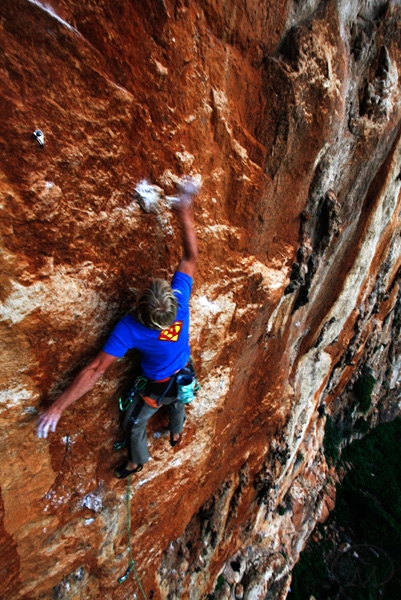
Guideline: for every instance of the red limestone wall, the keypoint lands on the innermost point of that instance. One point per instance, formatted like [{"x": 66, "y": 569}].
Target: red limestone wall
[{"x": 290, "y": 113}]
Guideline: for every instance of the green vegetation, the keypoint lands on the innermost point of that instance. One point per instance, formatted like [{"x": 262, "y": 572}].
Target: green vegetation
[
  {"x": 220, "y": 582},
  {"x": 363, "y": 388},
  {"x": 332, "y": 440},
  {"x": 362, "y": 426},
  {"x": 359, "y": 555},
  {"x": 311, "y": 572}
]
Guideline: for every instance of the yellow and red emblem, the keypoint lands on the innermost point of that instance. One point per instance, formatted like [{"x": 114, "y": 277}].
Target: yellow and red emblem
[{"x": 172, "y": 333}]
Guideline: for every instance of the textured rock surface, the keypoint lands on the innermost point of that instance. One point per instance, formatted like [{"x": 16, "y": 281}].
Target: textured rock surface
[{"x": 290, "y": 112}]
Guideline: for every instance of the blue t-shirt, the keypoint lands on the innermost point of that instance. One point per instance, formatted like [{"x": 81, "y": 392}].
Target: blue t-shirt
[{"x": 162, "y": 352}]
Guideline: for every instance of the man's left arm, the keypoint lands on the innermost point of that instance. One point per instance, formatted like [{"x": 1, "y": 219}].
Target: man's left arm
[{"x": 84, "y": 381}]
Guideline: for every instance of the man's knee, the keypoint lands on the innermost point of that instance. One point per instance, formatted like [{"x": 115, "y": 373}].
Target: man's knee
[{"x": 136, "y": 423}]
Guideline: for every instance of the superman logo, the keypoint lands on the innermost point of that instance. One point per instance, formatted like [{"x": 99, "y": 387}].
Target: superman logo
[{"x": 172, "y": 333}]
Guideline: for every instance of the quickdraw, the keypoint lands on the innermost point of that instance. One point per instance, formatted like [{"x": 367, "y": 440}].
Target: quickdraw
[{"x": 139, "y": 385}]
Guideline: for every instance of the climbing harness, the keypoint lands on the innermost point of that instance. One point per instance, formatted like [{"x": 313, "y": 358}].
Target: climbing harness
[
  {"x": 183, "y": 385},
  {"x": 160, "y": 389},
  {"x": 139, "y": 385},
  {"x": 131, "y": 566}
]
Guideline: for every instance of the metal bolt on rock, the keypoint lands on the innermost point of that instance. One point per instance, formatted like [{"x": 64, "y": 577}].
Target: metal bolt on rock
[{"x": 40, "y": 138}]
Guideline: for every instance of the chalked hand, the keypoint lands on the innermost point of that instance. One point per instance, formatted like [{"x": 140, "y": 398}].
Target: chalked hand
[{"x": 188, "y": 188}]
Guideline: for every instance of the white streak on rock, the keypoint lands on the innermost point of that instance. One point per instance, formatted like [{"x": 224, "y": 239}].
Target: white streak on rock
[
  {"x": 361, "y": 268},
  {"x": 60, "y": 293},
  {"x": 47, "y": 8},
  {"x": 12, "y": 398}
]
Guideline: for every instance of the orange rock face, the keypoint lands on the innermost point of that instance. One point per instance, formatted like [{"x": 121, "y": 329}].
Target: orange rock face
[{"x": 290, "y": 113}]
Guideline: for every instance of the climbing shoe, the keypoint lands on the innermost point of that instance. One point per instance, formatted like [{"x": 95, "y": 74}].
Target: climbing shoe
[
  {"x": 122, "y": 470},
  {"x": 174, "y": 442}
]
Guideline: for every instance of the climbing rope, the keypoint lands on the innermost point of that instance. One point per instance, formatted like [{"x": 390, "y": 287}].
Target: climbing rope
[{"x": 131, "y": 566}]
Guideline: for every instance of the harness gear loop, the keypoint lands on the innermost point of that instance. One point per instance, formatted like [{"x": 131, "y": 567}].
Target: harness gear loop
[{"x": 131, "y": 566}]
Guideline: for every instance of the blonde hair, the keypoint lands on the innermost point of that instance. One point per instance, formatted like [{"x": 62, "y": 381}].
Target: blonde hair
[{"x": 156, "y": 306}]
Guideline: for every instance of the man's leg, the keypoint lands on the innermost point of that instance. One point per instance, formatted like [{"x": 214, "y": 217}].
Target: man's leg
[
  {"x": 134, "y": 423},
  {"x": 177, "y": 418}
]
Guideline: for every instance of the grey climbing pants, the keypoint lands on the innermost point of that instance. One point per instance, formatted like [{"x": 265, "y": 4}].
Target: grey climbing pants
[{"x": 136, "y": 419}]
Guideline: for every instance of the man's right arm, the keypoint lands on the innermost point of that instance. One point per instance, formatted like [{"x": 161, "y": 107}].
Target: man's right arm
[
  {"x": 188, "y": 262},
  {"x": 184, "y": 212},
  {"x": 84, "y": 381}
]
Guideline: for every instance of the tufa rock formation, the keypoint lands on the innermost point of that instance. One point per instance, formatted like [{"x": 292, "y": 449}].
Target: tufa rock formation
[{"x": 290, "y": 113}]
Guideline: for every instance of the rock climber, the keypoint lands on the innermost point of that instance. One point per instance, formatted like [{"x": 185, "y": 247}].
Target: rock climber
[{"x": 158, "y": 327}]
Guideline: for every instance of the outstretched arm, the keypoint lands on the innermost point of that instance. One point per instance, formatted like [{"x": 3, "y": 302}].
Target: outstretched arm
[
  {"x": 183, "y": 209},
  {"x": 84, "y": 381}
]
